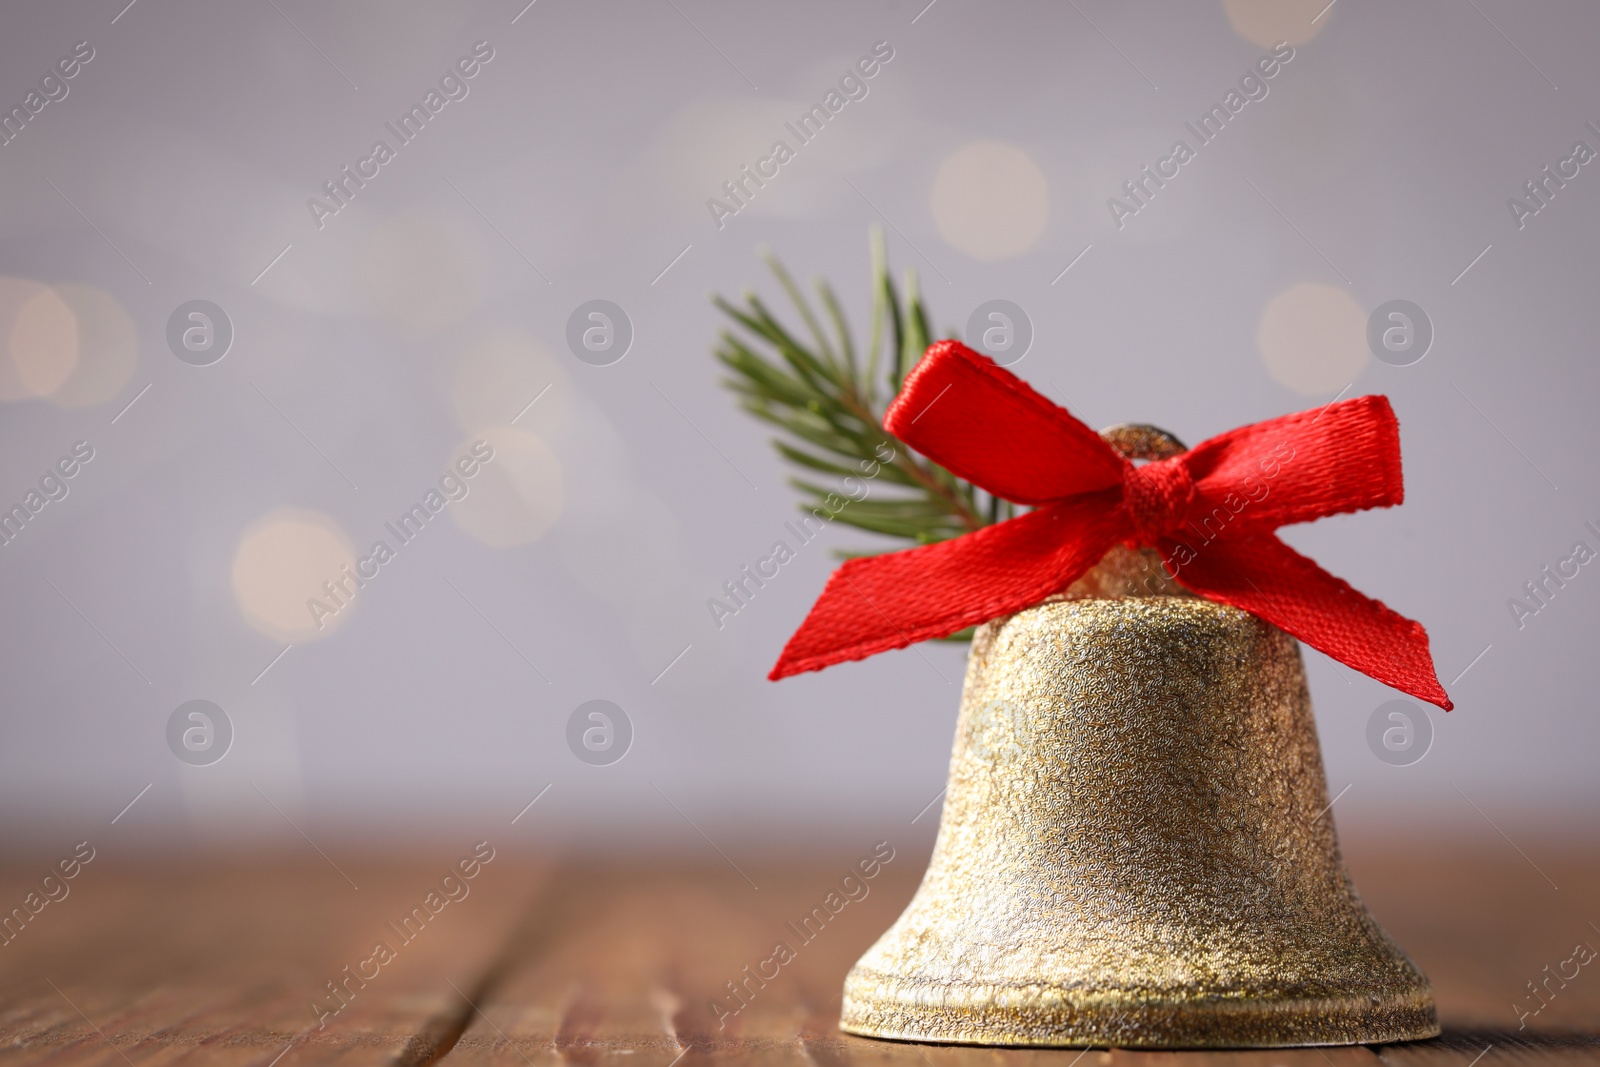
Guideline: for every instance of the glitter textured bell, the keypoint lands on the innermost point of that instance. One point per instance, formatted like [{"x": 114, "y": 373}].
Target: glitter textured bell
[{"x": 1136, "y": 848}]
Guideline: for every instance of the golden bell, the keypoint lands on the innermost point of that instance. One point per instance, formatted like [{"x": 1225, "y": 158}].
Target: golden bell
[{"x": 1136, "y": 848}]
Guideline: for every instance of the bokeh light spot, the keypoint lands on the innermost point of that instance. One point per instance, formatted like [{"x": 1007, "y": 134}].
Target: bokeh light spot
[
  {"x": 108, "y": 348},
  {"x": 990, "y": 200},
  {"x": 497, "y": 377},
  {"x": 1267, "y": 22},
  {"x": 278, "y": 573},
  {"x": 1313, "y": 338},
  {"x": 38, "y": 339},
  {"x": 517, "y": 496}
]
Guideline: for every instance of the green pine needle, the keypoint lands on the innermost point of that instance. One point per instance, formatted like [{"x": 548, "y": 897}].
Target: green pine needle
[{"x": 828, "y": 398}]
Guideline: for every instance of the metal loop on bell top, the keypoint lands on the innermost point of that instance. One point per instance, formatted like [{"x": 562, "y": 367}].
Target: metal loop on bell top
[{"x": 1137, "y": 440}]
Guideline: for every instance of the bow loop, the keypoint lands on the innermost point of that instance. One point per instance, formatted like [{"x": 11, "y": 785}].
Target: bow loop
[{"x": 984, "y": 424}]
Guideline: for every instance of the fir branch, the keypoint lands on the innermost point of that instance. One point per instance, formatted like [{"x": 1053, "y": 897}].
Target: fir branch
[{"x": 828, "y": 398}]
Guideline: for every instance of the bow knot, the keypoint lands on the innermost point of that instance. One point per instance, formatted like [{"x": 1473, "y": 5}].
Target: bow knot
[
  {"x": 1211, "y": 512},
  {"x": 1157, "y": 497}
]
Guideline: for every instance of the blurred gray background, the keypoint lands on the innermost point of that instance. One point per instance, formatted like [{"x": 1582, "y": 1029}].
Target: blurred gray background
[{"x": 372, "y": 351}]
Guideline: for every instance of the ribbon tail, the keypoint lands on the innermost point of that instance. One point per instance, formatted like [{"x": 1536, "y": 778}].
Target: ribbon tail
[
  {"x": 877, "y": 603},
  {"x": 1272, "y": 581}
]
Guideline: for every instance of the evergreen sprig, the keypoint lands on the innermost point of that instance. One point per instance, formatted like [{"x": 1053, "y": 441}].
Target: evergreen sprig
[{"x": 829, "y": 401}]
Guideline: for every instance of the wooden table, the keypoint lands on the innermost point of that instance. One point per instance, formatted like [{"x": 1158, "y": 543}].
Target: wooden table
[{"x": 158, "y": 960}]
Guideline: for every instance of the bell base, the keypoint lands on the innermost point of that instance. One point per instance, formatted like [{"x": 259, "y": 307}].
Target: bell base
[{"x": 1049, "y": 1017}]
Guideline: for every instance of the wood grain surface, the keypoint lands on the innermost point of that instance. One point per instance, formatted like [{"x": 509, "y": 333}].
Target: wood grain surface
[{"x": 198, "y": 960}]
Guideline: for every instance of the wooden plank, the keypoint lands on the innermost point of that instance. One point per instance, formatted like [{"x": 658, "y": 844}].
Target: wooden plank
[
  {"x": 1485, "y": 923},
  {"x": 640, "y": 979},
  {"x": 221, "y": 962},
  {"x": 1343, "y": 1056},
  {"x": 1486, "y": 1048}
]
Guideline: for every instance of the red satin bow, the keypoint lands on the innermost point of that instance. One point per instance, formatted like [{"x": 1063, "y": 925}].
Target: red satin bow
[{"x": 1210, "y": 512}]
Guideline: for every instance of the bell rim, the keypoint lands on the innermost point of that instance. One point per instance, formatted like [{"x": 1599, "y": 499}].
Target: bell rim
[
  {"x": 1143, "y": 1021},
  {"x": 1068, "y": 1043}
]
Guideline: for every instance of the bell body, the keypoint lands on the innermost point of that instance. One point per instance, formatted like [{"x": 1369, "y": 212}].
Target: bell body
[{"x": 1136, "y": 851}]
